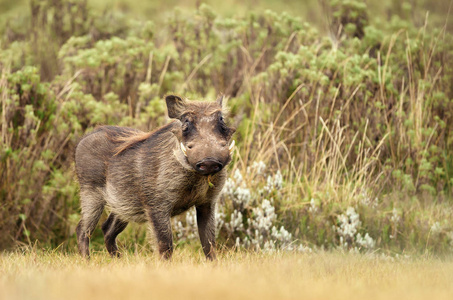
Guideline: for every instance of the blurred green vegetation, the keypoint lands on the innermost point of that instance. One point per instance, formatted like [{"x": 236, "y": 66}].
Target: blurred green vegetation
[
  {"x": 351, "y": 101},
  {"x": 312, "y": 11}
]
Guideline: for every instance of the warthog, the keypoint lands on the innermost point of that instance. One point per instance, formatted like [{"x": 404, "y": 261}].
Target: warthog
[{"x": 152, "y": 176}]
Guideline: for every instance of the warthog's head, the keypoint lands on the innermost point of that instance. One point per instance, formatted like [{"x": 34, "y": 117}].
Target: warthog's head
[{"x": 205, "y": 138}]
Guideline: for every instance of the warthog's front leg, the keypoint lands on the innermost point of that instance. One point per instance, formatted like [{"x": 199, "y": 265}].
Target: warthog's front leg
[
  {"x": 160, "y": 219},
  {"x": 206, "y": 229}
]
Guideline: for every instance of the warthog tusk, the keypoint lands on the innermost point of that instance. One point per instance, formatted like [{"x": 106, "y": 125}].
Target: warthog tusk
[
  {"x": 231, "y": 145},
  {"x": 231, "y": 148},
  {"x": 183, "y": 150}
]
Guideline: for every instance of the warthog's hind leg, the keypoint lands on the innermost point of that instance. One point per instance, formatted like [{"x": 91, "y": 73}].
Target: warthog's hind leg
[
  {"x": 111, "y": 228},
  {"x": 92, "y": 203}
]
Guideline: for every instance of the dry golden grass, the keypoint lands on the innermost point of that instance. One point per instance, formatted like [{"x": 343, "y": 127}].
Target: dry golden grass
[{"x": 235, "y": 276}]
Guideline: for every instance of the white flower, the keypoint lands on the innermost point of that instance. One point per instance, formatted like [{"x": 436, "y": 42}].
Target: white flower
[
  {"x": 235, "y": 223},
  {"x": 274, "y": 182},
  {"x": 242, "y": 196},
  {"x": 229, "y": 187},
  {"x": 258, "y": 167},
  {"x": 234, "y": 189},
  {"x": 367, "y": 200},
  {"x": 436, "y": 228},
  {"x": 313, "y": 206},
  {"x": 349, "y": 223},
  {"x": 395, "y": 217},
  {"x": 237, "y": 177},
  {"x": 348, "y": 231},
  {"x": 219, "y": 215},
  {"x": 278, "y": 180},
  {"x": 269, "y": 246},
  {"x": 304, "y": 249},
  {"x": 366, "y": 241},
  {"x": 264, "y": 216},
  {"x": 238, "y": 242},
  {"x": 189, "y": 231}
]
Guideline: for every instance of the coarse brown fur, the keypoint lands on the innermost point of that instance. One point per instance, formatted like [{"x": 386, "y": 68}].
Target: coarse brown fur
[{"x": 153, "y": 176}]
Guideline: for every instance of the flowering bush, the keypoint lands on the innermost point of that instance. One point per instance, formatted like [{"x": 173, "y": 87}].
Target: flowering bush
[
  {"x": 348, "y": 229},
  {"x": 250, "y": 221}
]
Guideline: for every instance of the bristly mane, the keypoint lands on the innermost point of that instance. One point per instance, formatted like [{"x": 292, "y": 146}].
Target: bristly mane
[
  {"x": 125, "y": 137},
  {"x": 128, "y": 138},
  {"x": 130, "y": 141}
]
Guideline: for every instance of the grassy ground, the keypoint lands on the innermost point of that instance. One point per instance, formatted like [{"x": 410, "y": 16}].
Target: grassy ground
[{"x": 235, "y": 276}]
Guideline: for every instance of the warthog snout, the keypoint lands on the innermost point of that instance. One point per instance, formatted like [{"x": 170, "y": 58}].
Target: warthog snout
[{"x": 208, "y": 166}]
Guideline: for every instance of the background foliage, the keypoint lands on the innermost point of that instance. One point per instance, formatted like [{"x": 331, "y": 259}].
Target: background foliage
[{"x": 343, "y": 108}]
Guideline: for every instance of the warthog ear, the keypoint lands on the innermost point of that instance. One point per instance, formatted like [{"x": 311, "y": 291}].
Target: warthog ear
[
  {"x": 175, "y": 106},
  {"x": 220, "y": 100}
]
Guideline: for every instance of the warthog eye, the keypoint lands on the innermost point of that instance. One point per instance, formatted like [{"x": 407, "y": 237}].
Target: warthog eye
[
  {"x": 186, "y": 126},
  {"x": 222, "y": 126}
]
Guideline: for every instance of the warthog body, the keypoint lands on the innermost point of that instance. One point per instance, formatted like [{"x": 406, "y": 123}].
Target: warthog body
[{"x": 153, "y": 176}]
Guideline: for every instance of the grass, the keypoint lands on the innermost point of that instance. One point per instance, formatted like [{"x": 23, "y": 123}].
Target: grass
[{"x": 236, "y": 275}]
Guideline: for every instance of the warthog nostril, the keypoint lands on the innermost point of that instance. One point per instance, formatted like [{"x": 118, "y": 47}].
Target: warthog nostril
[
  {"x": 207, "y": 167},
  {"x": 201, "y": 166}
]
